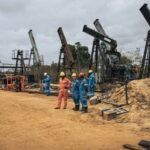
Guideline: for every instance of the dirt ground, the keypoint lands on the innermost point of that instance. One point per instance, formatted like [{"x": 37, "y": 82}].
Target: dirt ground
[{"x": 30, "y": 122}]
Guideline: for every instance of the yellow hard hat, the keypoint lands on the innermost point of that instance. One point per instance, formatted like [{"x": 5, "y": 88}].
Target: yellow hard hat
[
  {"x": 62, "y": 74},
  {"x": 90, "y": 71},
  {"x": 74, "y": 75}
]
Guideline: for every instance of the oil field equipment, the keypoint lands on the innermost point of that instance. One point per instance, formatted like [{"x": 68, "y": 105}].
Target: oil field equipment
[
  {"x": 145, "y": 66},
  {"x": 66, "y": 60},
  {"x": 18, "y": 55},
  {"x": 14, "y": 83},
  {"x": 105, "y": 59},
  {"x": 37, "y": 63}
]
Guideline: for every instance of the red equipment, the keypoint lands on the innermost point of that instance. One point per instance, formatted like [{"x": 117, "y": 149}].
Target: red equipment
[{"x": 14, "y": 83}]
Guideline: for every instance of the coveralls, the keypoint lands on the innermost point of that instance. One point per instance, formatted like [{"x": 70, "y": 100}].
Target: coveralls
[
  {"x": 64, "y": 84},
  {"x": 75, "y": 92},
  {"x": 47, "y": 85},
  {"x": 91, "y": 84},
  {"x": 83, "y": 92}
]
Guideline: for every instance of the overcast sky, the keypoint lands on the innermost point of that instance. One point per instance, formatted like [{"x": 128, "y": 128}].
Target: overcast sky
[{"x": 121, "y": 20}]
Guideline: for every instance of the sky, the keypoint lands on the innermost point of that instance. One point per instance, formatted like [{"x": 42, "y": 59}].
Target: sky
[{"x": 121, "y": 20}]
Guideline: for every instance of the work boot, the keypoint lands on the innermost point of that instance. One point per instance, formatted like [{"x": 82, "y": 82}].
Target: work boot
[
  {"x": 74, "y": 108},
  {"x": 85, "y": 109},
  {"x": 77, "y": 107},
  {"x": 64, "y": 108},
  {"x": 57, "y": 107},
  {"x": 82, "y": 110}
]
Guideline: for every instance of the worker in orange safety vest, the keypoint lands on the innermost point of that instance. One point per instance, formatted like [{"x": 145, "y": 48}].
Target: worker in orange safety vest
[{"x": 64, "y": 85}]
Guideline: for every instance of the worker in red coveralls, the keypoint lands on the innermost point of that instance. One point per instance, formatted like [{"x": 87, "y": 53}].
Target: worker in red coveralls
[{"x": 64, "y": 85}]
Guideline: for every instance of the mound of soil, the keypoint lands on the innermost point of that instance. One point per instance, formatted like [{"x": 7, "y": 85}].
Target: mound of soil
[{"x": 139, "y": 101}]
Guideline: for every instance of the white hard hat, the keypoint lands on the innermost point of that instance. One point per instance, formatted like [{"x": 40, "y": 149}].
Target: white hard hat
[
  {"x": 74, "y": 75},
  {"x": 45, "y": 74},
  {"x": 90, "y": 71}
]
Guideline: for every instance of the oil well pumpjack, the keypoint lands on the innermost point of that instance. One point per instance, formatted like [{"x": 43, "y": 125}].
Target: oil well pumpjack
[
  {"x": 36, "y": 58},
  {"x": 104, "y": 57},
  {"x": 66, "y": 60},
  {"x": 145, "y": 66},
  {"x": 32, "y": 71}
]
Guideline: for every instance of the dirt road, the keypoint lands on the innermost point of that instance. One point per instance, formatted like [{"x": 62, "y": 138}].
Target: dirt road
[{"x": 30, "y": 122}]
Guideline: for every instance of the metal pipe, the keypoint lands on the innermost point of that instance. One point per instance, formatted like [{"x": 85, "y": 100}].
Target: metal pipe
[
  {"x": 11, "y": 67},
  {"x": 146, "y": 13}
]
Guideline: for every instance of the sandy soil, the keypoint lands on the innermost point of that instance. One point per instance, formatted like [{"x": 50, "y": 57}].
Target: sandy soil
[{"x": 30, "y": 122}]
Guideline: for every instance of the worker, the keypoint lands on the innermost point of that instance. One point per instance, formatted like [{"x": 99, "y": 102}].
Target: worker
[
  {"x": 64, "y": 85},
  {"x": 75, "y": 92},
  {"x": 91, "y": 83},
  {"x": 83, "y": 89},
  {"x": 47, "y": 80}
]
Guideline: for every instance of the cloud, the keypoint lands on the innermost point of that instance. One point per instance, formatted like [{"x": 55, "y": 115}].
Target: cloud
[
  {"x": 13, "y": 6},
  {"x": 121, "y": 20}
]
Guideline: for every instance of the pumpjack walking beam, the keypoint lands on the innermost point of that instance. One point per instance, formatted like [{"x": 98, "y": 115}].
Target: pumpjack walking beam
[
  {"x": 145, "y": 66},
  {"x": 99, "y": 27},
  {"x": 106, "y": 39}
]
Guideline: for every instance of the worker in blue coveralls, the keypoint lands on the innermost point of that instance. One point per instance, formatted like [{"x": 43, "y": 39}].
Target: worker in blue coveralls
[
  {"x": 75, "y": 92},
  {"x": 47, "y": 80},
  {"x": 83, "y": 89},
  {"x": 91, "y": 83}
]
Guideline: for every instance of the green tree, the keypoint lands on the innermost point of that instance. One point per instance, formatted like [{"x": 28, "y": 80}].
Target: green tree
[
  {"x": 80, "y": 54},
  {"x": 125, "y": 60},
  {"x": 134, "y": 56}
]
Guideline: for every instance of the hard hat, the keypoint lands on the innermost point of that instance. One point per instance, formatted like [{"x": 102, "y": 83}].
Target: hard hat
[
  {"x": 45, "y": 74},
  {"x": 81, "y": 74},
  {"x": 74, "y": 75},
  {"x": 90, "y": 71},
  {"x": 62, "y": 74}
]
